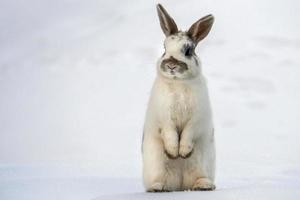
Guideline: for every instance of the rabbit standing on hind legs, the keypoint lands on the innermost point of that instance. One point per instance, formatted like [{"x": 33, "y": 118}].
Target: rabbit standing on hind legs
[{"x": 178, "y": 141}]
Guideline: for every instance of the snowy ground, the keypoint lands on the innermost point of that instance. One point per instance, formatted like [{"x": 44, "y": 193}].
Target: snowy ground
[{"x": 75, "y": 78}]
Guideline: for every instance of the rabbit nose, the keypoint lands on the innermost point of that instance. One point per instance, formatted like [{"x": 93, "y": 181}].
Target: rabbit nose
[{"x": 171, "y": 67}]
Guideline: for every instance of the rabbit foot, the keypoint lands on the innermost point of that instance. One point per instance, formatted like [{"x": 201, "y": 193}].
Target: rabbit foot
[{"x": 203, "y": 184}]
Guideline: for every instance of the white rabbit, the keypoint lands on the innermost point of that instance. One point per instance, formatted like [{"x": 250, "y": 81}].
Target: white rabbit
[{"x": 178, "y": 141}]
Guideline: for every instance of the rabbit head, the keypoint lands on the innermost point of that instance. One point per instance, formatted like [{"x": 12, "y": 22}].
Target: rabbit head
[{"x": 179, "y": 60}]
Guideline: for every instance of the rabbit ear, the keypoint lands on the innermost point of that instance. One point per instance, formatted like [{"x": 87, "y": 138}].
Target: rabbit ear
[
  {"x": 201, "y": 28},
  {"x": 167, "y": 24}
]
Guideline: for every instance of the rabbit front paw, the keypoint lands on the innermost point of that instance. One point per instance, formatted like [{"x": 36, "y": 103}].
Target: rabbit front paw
[
  {"x": 171, "y": 144},
  {"x": 171, "y": 150},
  {"x": 185, "y": 150}
]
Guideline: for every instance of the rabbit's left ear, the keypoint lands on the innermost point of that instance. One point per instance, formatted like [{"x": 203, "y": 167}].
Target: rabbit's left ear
[
  {"x": 167, "y": 24},
  {"x": 200, "y": 29}
]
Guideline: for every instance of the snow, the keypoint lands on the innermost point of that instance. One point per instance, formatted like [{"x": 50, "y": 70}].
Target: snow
[{"x": 75, "y": 79}]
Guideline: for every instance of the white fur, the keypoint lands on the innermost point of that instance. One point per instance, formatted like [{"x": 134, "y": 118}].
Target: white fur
[{"x": 179, "y": 102}]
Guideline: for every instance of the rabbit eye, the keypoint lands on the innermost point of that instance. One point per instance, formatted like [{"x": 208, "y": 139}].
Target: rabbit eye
[{"x": 188, "y": 51}]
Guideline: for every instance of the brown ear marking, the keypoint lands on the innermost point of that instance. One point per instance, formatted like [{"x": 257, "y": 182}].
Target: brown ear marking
[
  {"x": 167, "y": 24},
  {"x": 200, "y": 29}
]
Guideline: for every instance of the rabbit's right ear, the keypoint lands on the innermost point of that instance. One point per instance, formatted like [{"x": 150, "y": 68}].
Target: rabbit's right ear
[{"x": 167, "y": 24}]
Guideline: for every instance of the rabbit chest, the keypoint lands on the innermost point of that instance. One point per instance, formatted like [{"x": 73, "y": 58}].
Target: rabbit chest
[{"x": 179, "y": 104}]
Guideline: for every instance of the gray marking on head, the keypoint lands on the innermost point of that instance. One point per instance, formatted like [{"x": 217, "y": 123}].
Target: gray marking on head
[
  {"x": 188, "y": 50},
  {"x": 180, "y": 35}
]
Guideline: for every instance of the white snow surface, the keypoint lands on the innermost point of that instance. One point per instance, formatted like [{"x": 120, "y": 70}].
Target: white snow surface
[{"x": 75, "y": 78}]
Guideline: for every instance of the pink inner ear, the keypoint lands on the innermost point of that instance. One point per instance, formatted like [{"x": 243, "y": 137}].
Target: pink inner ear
[
  {"x": 200, "y": 29},
  {"x": 167, "y": 24}
]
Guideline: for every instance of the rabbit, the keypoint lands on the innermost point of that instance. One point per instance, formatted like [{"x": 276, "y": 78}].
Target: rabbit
[{"x": 178, "y": 145}]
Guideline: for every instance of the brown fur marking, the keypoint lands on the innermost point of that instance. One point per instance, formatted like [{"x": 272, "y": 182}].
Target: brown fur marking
[{"x": 177, "y": 65}]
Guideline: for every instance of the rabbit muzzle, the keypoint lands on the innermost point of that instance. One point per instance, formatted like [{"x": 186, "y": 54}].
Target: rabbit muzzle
[{"x": 173, "y": 66}]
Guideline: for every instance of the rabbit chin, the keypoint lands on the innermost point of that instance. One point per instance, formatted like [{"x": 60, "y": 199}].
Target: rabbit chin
[{"x": 175, "y": 75}]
